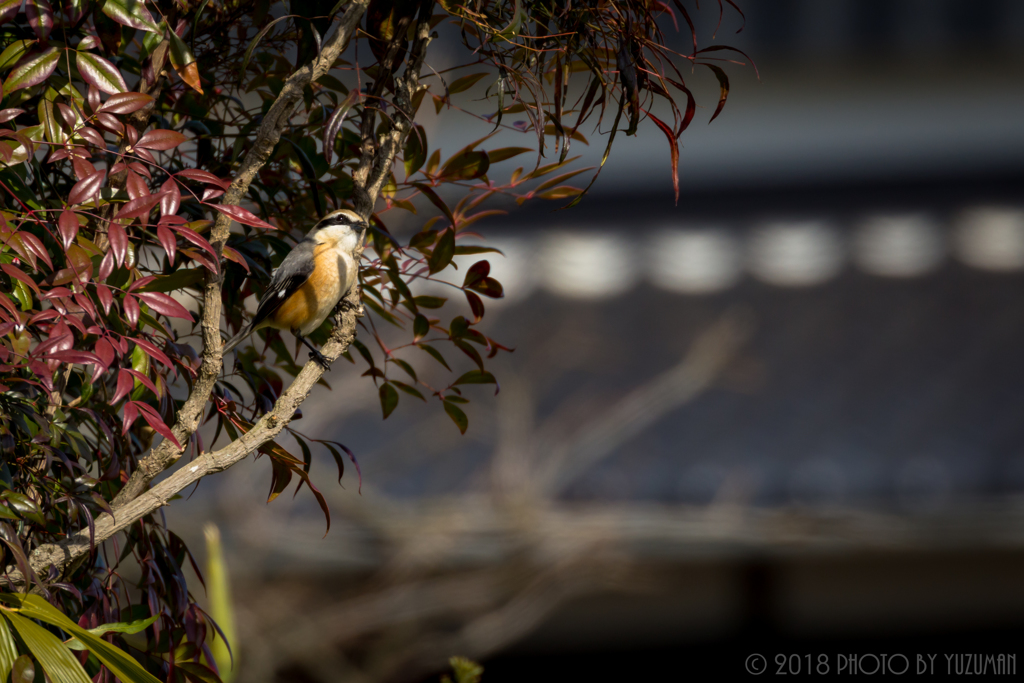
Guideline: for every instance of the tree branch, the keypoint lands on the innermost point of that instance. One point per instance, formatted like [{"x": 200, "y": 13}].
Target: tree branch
[
  {"x": 271, "y": 128},
  {"x": 132, "y": 505}
]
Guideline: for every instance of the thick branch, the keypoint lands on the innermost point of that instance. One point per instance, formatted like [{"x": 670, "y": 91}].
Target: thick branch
[
  {"x": 127, "y": 509},
  {"x": 273, "y": 125}
]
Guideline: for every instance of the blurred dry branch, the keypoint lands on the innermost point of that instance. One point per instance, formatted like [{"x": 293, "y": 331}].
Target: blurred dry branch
[{"x": 475, "y": 573}]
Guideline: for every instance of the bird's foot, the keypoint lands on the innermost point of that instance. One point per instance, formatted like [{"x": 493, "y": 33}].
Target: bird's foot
[
  {"x": 344, "y": 306},
  {"x": 319, "y": 359}
]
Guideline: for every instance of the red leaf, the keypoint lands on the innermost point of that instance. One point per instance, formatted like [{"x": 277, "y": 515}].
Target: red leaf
[
  {"x": 154, "y": 352},
  {"x": 146, "y": 381},
  {"x": 92, "y": 137},
  {"x": 17, "y": 274},
  {"x": 673, "y": 147},
  {"x": 83, "y": 169},
  {"x": 233, "y": 255},
  {"x": 164, "y": 303},
  {"x": 243, "y": 216},
  {"x": 40, "y": 17},
  {"x": 168, "y": 241},
  {"x": 161, "y": 139},
  {"x": 202, "y": 259},
  {"x": 131, "y": 413},
  {"x": 153, "y": 418},
  {"x": 105, "y": 352},
  {"x": 170, "y": 198},
  {"x": 105, "y": 297},
  {"x": 125, "y": 103},
  {"x": 124, "y": 386},
  {"x": 85, "y": 189},
  {"x": 82, "y": 357},
  {"x": 8, "y": 114},
  {"x": 136, "y": 186},
  {"x": 196, "y": 239},
  {"x": 106, "y": 265},
  {"x": 131, "y": 310},
  {"x": 93, "y": 96},
  {"x": 110, "y": 122},
  {"x": 33, "y": 244},
  {"x": 203, "y": 177},
  {"x": 118, "y": 241},
  {"x": 138, "y": 207},
  {"x": 211, "y": 193}
]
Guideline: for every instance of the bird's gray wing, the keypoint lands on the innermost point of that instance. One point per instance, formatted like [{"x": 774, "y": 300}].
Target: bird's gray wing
[{"x": 293, "y": 272}]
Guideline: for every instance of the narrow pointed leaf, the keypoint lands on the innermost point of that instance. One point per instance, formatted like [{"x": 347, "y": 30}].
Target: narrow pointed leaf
[{"x": 184, "y": 62}]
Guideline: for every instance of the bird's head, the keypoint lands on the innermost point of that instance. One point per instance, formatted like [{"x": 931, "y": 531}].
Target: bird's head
[{"x": 344, "y": 227}]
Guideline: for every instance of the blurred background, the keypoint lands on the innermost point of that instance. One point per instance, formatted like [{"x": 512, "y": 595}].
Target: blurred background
[{"x": 783, "y": 416}]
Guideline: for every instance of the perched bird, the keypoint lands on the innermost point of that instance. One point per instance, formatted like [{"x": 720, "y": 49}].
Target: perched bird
[{"x": 311, "y": 281}]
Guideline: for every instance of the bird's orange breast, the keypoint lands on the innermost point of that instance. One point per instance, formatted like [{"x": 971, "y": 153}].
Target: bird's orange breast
[{"x": 309, "y": 305}]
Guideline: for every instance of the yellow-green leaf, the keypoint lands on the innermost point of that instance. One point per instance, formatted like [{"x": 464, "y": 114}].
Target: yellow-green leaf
[
  {"x": 120, "y": 663},
  {"x": 57, "y": 661},
  {"x": 32, "y": 72},
  {"x": 8, "y": 650}
]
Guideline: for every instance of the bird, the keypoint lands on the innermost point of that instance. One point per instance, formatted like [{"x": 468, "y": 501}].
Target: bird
[{"x": 311, "y": 281}]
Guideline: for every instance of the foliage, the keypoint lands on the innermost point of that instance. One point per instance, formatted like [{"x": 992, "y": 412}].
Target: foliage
[
  {"x": 465, "y": 670},
  {"x": 124, "y": 125}
]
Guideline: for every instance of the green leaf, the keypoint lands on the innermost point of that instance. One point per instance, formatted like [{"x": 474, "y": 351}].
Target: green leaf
[
  {"x": 32, "y": 72},
  {"x": 131, "y": 13},
  {"x": 415, "y": 150},
  {"x": 435, "y": 354},
  {"x": 465, "y": 83},
  {"x": 252, "y": 46},
  {"x": 466, "y": 166},
  {"x": 475, "y": 377},
  {"x": 57, "y": 661},
  {"x": 388, "y": 399},
  {"x": 412, "y": 391},
  {"x": 420, "y": 327},
  {"x": 13, "y": 53},
  {"x": 457, "y": 416},
  {"x": 430, "y": 301},
  {"x": 8, "y": 650},
  {"x": 435, "y": 199},
  {"x": 100, "y": 73},
  {"x": 24, "y": 506},
  {"x": 219, "y": 591},
  {"x": 120, "y": 663},
  {"x": 129, "y": 627},
  {"x": 443, "y": 252},
  {"x": 502, "y": 153},
  {"x": 199, "y": 672},
  {"x": 24, "y": 669},
  {"x": 179, "y": 279},
  {"x": 466, "y": 670},
  {"x": 23, "y": 295}
]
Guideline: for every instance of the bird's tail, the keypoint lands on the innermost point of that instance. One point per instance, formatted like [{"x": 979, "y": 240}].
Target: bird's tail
[{"x": 236, "y": 340}]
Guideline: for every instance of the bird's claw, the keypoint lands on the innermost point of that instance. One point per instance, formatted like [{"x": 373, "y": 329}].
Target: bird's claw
[
  {"x": 320, "y": 360},
  {"x": 344, "y": 306}
]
